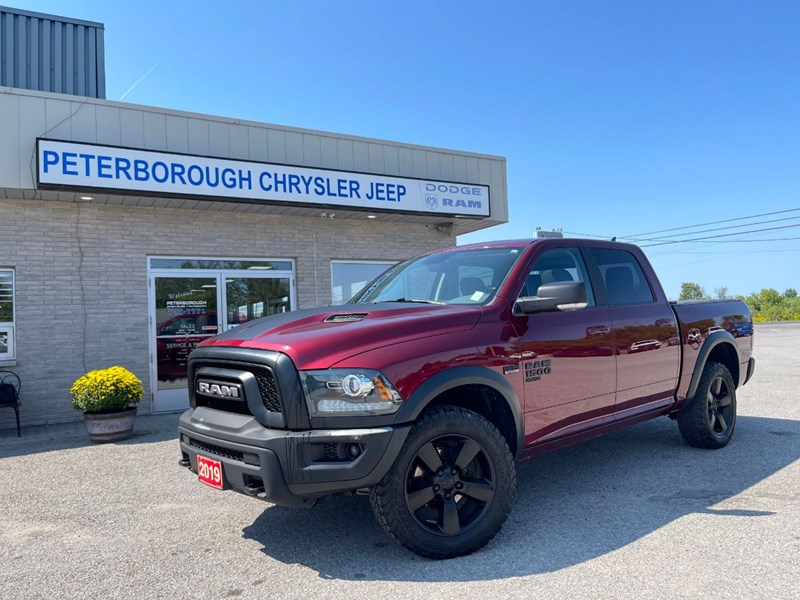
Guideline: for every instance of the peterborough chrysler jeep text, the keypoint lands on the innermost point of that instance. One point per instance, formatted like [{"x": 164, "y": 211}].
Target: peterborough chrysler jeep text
[{"x": 437, "y": 377}]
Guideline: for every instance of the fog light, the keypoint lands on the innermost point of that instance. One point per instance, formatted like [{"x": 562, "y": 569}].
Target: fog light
[{"x": 353, "y": 451}]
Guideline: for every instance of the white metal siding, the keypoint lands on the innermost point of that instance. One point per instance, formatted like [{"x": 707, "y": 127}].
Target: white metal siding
[{"x": 26, "y": 115}]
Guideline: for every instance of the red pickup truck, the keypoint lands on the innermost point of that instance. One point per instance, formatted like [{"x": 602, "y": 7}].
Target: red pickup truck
[{"x": 427, "y": 388}]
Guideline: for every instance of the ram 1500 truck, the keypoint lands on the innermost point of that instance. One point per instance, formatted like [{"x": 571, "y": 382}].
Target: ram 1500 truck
[{"x": 435, "y": 379}]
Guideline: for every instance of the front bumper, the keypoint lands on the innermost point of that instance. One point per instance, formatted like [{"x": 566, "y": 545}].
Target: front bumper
[
  {"x": 292, "y": 468},
  {"x": 751, "y": 368}
]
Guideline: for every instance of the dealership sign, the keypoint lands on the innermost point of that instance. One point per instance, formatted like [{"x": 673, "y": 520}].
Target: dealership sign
[{"x": 88, "y": 166}]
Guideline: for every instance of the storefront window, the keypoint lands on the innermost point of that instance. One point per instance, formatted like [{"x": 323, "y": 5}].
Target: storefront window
[
  {"x": 6, "y": 314},
  {"x": 216, "y": 264},
  {"x": 348, "y": 277}
]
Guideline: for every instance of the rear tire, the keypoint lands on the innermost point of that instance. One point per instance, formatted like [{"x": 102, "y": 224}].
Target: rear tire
[
  {"x": 708, "y": 418},
  {"x": 451, "y": 487}
]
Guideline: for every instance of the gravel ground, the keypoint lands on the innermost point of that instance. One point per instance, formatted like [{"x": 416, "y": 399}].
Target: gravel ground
[{"x": 634, "y": 514}]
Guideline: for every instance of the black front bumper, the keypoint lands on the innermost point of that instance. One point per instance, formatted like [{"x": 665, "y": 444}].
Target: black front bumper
[
  {"x": 751, "y": 368},
  {"x": 292, "y": 468}
]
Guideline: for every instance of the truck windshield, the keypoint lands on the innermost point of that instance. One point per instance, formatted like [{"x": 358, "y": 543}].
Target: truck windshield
[{"x": 470, "y": 276}]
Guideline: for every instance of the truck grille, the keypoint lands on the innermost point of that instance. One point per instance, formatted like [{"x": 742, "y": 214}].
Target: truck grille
[
  {"x": 268, "y": 389},
  {"x": 234, "y": 406},
  {"x": 218, "y": 450},
  {"x": 267, "y": 386}
]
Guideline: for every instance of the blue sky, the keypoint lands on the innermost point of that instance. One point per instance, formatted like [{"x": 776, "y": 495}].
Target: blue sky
[{"x": 616, "y": 117}]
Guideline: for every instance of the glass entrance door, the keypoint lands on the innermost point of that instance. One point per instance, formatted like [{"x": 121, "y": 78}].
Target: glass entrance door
[
  {"x": 193, "y": 300},
  {"x": 185, "y": 313}
]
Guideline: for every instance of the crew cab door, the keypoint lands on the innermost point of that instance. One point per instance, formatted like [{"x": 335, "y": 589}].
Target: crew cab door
[
  {"x": 646, "y": 338},
  {"x": 566, "y": 357}
]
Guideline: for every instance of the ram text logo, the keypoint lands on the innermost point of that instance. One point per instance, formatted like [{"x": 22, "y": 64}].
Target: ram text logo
[{"x": 219, "y": 390}]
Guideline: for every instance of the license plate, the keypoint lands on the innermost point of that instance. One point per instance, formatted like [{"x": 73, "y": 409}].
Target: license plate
[{"x": 209, "y": 471}]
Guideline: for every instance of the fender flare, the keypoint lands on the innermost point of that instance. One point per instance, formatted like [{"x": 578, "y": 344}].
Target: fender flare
[
  {"x": 457, "y": 377},
  {"x": 712, "y": 341}
]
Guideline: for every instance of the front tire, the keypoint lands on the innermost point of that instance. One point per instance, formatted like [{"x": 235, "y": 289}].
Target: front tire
[
  {"x": 708, "y": 418},
  {"x": 451, "y": 488}
]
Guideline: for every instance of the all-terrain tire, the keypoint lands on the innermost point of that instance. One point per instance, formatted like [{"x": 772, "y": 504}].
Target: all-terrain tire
[
  {"x": 452, "y": 523},
  {"x": 708, "y": 418}
]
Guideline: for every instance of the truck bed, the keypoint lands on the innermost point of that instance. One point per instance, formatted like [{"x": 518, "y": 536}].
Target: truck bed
[{"x": 700, "y": 319}]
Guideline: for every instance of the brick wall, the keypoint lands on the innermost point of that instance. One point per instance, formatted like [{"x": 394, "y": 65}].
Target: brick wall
[{"x": 44, "y": 240}]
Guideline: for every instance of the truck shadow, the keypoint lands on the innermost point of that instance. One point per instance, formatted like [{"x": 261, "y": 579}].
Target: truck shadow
[{"x": 572, "y": 505}]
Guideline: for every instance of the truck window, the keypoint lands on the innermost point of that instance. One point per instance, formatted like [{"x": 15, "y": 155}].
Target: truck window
[
  {"x": 623, "y": 276},
  {"x": 458, "y": 276},
  {"x": 558, "y": 264}
]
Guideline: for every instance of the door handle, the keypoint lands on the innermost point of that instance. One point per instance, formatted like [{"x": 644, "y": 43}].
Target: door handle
[{"x": 597, "y": 330}]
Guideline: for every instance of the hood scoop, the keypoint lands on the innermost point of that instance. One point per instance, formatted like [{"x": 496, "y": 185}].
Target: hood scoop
[{"x": 345, "y": 317}]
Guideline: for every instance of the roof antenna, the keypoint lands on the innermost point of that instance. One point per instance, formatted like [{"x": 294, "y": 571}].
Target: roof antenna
[{"x": 614, "y": 239}]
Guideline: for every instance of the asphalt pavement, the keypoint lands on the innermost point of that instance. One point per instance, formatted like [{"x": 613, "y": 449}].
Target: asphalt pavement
[{"x": 635, "y": 514}]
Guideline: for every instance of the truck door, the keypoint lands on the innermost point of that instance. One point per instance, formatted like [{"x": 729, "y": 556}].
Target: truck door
[
  {"x": 646, "y": 339},
  {"x": 566, "y": 357}
]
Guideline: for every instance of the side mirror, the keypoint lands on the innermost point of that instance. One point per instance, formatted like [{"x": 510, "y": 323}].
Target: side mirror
[{"x": 560, "y": 295}]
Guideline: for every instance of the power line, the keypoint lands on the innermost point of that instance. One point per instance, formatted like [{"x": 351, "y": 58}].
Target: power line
[
  {"x": 705, "y": 239},
  {"x": 767, "y": 214},
  {"x": 590, "y": 235},
  {"x": 686, "y": 252},
  {"x": 708, "y": 241},
  {"x": 674, "y": 235},
  {"x": 710, "y": 237}
]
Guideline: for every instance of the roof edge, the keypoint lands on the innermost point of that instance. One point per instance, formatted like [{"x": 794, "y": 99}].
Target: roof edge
[
  {"x": 38, "y": 15},
  {"x": 245, "y": 122}
]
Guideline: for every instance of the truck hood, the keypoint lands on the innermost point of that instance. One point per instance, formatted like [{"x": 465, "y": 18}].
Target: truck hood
[{"x": 317, "y": 338}]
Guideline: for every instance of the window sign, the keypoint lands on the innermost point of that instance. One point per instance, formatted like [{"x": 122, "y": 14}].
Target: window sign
[
  {"x": 7, "y": 349},
  {"x": 6, "y": 342}
]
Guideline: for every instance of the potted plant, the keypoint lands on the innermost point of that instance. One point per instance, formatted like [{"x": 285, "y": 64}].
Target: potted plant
[{"x": 108, "y": 399}]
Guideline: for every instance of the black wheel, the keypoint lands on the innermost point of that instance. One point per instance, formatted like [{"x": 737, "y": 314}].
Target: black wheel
[
  {"x": 708, "y": 418},
  {"x": 451, "y": 487}
]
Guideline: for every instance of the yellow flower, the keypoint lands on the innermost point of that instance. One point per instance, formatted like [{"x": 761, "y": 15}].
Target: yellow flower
[{"x": 114, "y": 388}]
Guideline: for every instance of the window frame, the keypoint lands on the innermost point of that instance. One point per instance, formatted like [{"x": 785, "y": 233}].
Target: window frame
[
  {"x": 347, "y": 261},
  {"x": 153, "y": 264},
  {"x": 9, "y": 327}
]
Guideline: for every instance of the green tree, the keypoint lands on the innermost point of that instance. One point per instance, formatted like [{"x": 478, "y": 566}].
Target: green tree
[
  {"x": 770, "y": 297},
  {"x": 721, "y": 293},
  {"x": 769, "y": 305},
  {"x": 753, "y": 302},
  {"x": 692, "y": 291},
  {"x": 790, "y": 293}
]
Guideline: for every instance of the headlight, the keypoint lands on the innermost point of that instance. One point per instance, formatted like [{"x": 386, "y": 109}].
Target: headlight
[{"x": 356, "y": 392}]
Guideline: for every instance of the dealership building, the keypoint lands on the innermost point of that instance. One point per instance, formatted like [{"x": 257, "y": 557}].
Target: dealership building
[{"x": 129, "y": 234}]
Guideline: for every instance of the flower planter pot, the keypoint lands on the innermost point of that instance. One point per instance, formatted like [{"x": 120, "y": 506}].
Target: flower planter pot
[{"x": 110, "y": 426}]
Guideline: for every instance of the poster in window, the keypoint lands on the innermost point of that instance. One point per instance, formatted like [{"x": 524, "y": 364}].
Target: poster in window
[{"x": 6, "y": 342}]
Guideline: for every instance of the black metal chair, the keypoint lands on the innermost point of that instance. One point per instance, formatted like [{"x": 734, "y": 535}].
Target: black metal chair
[{"x": 10, "y": 386}]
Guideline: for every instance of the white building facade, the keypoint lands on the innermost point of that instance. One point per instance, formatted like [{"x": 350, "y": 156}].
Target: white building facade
[{"x": 128, "y": 234}]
